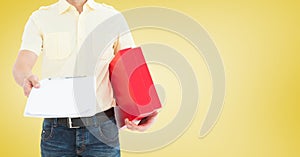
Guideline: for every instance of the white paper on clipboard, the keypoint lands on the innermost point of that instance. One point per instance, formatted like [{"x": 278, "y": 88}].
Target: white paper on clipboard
[{"x": 62, "y": 97}]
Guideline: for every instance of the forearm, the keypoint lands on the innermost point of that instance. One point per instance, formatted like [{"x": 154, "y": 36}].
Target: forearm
[
  {"x": 20, "y": 73},
  {"x": 23, "y": 66}
]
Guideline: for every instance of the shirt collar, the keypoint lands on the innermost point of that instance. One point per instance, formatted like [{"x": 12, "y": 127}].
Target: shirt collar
[
  {"x": 63, "y": 5},
  {"x": 92, "y": 4}
]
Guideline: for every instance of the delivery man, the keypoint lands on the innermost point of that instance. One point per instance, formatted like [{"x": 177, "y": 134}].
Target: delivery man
[{"x": 55, "y": 31}]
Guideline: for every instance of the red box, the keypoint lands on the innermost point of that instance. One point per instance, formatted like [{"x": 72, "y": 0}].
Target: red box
[{"x": 134, "y": 91}]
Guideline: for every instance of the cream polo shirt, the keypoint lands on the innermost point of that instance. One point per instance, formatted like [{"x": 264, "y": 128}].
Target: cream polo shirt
[{"x": 59, "y": 33}]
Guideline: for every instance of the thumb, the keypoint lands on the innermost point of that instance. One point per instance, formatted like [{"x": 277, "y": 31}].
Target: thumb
[{"x": 34, "y": 81}]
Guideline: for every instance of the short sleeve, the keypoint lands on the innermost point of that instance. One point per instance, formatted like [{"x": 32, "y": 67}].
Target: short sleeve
[
  {"x": 126, "y": 41},
  {"x": 32, "y": 38}
]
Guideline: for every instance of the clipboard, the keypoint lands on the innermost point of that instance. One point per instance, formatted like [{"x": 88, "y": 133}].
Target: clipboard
[{"x": 62, "y": 97}]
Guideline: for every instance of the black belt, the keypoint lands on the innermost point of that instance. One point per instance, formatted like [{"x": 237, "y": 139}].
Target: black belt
[{"x": 84, "y": 121}]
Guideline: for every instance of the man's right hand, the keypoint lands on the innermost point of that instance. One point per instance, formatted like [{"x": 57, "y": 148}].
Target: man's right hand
[{"x": 29, "y": 82}]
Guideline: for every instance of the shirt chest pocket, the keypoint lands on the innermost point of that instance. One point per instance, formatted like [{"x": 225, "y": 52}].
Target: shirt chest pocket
[{"x": 57, "y": 45}]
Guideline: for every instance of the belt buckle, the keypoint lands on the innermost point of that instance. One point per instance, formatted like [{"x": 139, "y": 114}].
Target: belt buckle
[{"x": 70, "y": 125}]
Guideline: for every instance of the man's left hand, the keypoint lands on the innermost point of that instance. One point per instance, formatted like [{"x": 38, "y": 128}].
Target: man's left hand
[{"x": 143, "y": 125}]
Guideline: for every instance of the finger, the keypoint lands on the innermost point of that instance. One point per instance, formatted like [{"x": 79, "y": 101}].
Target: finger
[
  {"x": 137, "y": 127},
  {"x": 130, "y": 127},
  {"x": 146, "y": 124},
  {"x": 27, "y": 87},
  {"x": 149, "y": 119},
  {"x": 154, "y": 114},
  {"x": 126, "y": 121},
  {"x": 141, "y": 127},
  {"x": 34, "y": 81},
  {"x": 29, "y": 82},
  {"x": 27, "y": 90}
]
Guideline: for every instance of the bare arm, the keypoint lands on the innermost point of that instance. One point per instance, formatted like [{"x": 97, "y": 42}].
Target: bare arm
[{"x": 22, "y": 71}]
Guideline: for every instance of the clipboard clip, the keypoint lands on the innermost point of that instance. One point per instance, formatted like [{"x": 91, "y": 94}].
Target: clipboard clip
[{"x": 58, "y": 78}]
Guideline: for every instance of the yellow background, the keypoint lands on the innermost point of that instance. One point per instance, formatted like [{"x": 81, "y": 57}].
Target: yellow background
[{"x": 259, "y": 44}]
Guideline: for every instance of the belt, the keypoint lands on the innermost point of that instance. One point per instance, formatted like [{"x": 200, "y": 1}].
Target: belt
[{"x": 83, "y": 121}]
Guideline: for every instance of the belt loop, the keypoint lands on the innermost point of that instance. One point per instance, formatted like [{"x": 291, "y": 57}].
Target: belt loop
[
  {"x": 55, "y": 122},
  {"x": 95, "y": 121}
]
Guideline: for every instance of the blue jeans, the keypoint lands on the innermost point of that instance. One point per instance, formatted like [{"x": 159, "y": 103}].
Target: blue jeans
[{"x": 99, "y": 140}]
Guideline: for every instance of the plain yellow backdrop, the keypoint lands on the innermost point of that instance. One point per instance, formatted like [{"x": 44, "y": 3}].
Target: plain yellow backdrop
[{"x": 258, "y": 41}]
